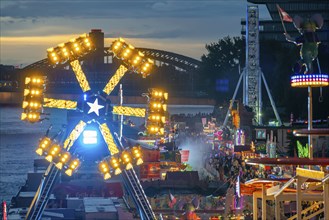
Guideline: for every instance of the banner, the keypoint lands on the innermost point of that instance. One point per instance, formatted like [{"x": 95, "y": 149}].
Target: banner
[{"x": 184, "y": 155}]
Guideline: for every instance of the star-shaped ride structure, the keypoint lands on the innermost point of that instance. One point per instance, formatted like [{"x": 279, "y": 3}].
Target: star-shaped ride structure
[{"x": 96, "y": 106}]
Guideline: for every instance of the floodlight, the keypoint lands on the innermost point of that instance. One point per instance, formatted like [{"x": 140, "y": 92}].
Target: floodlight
[
  {"x": 115, "y": 164},
  {"x": 33, "y": 98},
  {"x": 63, "y": 159},
  {"x": 126, "y": 159},
  {"x": 137, "y": 154},
  {"x": 89, "y": 137},
  {"x": 53, "y": 152},
  {"x": 73, "y": 166},
  {"x": 43, "y": 145},
  {"x": 70, "y": 51},
  {"x": 104, "y": 169}
]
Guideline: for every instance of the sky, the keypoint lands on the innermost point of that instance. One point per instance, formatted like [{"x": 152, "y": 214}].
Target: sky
[{"x": 29, "y": 27}]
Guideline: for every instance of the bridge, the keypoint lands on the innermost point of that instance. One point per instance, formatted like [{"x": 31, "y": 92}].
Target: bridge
[{"x": 179, "y": 61}]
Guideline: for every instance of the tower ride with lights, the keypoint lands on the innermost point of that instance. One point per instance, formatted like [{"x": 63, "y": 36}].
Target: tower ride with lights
[
  {"x": 94, "y": 110},
  {"x": 252, "y": 75}
]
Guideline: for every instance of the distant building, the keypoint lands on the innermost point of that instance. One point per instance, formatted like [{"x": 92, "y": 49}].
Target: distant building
[
  {"x": 272, "y": 29},
  {"x": 8, "y": 80}
]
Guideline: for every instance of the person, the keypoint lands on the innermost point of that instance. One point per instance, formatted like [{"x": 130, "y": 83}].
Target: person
[{"x": 308, "y": 40}]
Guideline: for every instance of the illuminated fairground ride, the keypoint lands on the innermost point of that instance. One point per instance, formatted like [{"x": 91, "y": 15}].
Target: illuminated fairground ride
[
  {"x": 311, "y": 186},
  {"x": 95, "y": 109}
]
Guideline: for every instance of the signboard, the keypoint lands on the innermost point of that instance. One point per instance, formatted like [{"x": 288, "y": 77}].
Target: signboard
[
  {"x": 261, "y": 134},
  {"x": 150, "y": 171},
  {"x": 171, "y": 156},
  {"x": 184, "y": 155},
  {"x": 151, "y": 155}
]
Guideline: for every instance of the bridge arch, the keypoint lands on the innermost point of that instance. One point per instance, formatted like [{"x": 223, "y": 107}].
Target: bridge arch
[{"x": 180, "y": 61}]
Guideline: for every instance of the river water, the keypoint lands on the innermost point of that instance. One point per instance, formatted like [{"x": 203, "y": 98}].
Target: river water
[{"x": 18, "y": 141}]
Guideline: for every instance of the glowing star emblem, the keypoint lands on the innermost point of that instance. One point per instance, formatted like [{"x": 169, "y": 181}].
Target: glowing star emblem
[{"x": 94, "y": 107}]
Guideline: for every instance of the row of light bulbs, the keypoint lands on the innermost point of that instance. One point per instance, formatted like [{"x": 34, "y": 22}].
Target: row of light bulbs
[
  {"x": 156, "y": 112},
  {"x": 71, "y": 50},
  {"x": 54, "y": 153},
  {"x": 135, "y": 59},
  {"x": 123, "y": 160},
  {"x": 33, "y": 98}
]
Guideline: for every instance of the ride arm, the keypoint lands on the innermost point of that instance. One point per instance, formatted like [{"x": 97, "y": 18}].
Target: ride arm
[
  {"x": 59, "y": 103},
  {"x": 129, "y": 111},
  {"x": 74, "y": 135},
  {"x": 80, "y": 75},
  {"x": 115, "y": 79},
  {"x": 109, "y": 140}
]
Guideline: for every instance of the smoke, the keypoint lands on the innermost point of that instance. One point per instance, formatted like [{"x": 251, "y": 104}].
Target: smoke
[{"x": 198, "y": 150}]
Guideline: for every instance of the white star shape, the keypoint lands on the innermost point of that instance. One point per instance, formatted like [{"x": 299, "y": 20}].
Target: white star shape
[{"x": 94, "y": 107}]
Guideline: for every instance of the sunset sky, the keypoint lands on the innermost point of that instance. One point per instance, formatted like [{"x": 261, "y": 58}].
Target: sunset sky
[{"x": 29, "y": 27}]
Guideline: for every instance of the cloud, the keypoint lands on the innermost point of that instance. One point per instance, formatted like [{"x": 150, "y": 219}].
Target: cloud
[
  {"x": 183, "y": 26},
  {"x": 155, "y": 34},
  {"x": 116, "y": 9}
]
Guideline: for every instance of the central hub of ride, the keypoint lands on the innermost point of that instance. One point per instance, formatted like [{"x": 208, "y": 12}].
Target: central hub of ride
[{"x": 97, "y": 106}]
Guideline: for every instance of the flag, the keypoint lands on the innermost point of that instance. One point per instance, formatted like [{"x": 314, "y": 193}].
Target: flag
[
  {"x": 172, "y": 201},
  {"x": 284, "y": 15}
]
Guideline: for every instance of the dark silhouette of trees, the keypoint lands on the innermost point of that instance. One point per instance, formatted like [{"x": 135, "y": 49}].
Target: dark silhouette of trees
[
  {"x": 221, "y": 63},
  {"x": 276, "y": 61}
]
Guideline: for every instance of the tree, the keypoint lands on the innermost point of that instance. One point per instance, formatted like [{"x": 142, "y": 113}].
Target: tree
[{"x": 222, "y": 62}]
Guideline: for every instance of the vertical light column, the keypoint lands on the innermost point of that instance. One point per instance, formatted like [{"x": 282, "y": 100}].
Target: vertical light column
[
  {"x": 263, "y": 201},
  {"x": 299, "y": 198},
  {"x": 252, "y": 79},
  {"x": 326, "y": 198},
  {"x": 310, "y": 122},
  {"x": 254, "y": 206}
]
